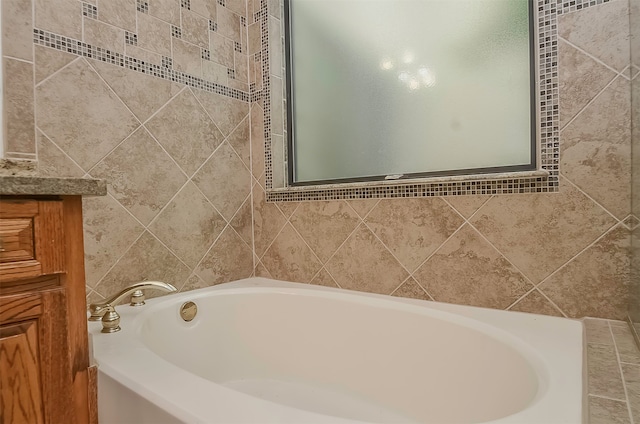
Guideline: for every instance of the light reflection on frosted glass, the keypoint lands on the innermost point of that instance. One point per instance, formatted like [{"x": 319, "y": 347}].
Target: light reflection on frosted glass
[{"x": 409, "y": 86}]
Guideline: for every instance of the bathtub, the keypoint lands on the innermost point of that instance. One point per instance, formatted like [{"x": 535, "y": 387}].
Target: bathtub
[{"x": 266, "y": 351}]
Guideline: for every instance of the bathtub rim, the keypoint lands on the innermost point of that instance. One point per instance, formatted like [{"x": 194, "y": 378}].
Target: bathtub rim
[{"x": 111, "y": 354}]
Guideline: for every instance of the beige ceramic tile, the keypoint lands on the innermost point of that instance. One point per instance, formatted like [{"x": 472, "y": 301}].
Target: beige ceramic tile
[
  {"x": 187, "y": 57},
  {"x": 195, "y": 29},
  {"x": 85, "y": 126},
  {"x": 323, "y": 278},
  {"x": 222, "y": 50},
  {"x": 363, "y": 206},
  {"x": 277, "y": 120},
  {"x": 242, "y": 221},
  {"x": 261, "y": 271},
  {"x": 226, "y": 112},
  {"x": 48, "y": 61},
  {"x": 324, "y": 225},
  {"x": 229, "y": 259},
  {"x": 255, "y": 35},
  {"x": 228, "y": 24},
  {"x": 238, "y": 85},
  {"x": 604, "y": 377},
  {"x": 241, "y": 67},
  {"x": 240, "y": 141},
  {"x": 146, "y": 260},
  {"x": 595, "y": 283},
  {"x": 143, "y": 54},
  {"x": 632, "y": 382},
  {"x": 602, "y": 31},
  {"x": 19, "y": 124},
  {"x": 274, "y": 8},
  {"x": 540, "y": 232},
  {"x": 290, "y": 259},
  {"x": 166, "y": 10},
  {"x": 188, "y": 225},
  {"x": 626, "y": 345},
  {"x": 206, "y": 8},
  {"x": 224, "y": 180},
  {"x": 63, "y": 17},
  {"x": 193, "y": 283},
  {"x": 536, "y": 303},
  {"x": 363, "y": 263},
  {"x": 467, "y": 205},
  {"x": 413, "y": 228},
  {"x": 237, "y": 6},
  {"x": 53, "y": 162},
  {"x": 596, "y": 149},
  {"x": 412, "y": 290},
  {"x": 275, "y": 52},
  {"x": 186, "y": 132},
  {"x": 154, "y": 35},
  {"x": 257, "y": 140},
  {"x": 142, "y": 93},
  {"x": 121, "y": 13},
  {"x": 288, "y": 208},
  {"x": 141, "y": 175},
  {"x": 278, "y": 171},
  {"x": 105, "y": 242},
  {"x": 93, "y": 297},
  {"x": 581, "y": 78},
  {"x": 17, "y": 29},
  {"x": 607, "y": 411},
  {"x": 103, "y": 35},
  {"x": 267, "y": 221},
  {"x": 598, "y": 331},
  {"x": 468, "y": 270},
  {"x": 215, "y": 72}
]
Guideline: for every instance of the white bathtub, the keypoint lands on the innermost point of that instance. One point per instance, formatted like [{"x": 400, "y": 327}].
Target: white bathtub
[{"x": 262, "y": 351}]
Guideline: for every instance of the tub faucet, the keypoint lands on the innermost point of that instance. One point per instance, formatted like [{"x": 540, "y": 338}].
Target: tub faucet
[{"x": 106, "y": 311}]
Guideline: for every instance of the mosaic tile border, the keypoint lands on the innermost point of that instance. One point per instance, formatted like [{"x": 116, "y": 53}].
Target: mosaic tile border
[
  {"x": 548, "y": 118},
  {"x": 567, "y": 6},
  {"x": 164, "y": 70}
]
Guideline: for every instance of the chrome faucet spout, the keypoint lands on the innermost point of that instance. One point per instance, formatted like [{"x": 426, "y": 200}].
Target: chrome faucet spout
[{"x": 106, "y": 312}]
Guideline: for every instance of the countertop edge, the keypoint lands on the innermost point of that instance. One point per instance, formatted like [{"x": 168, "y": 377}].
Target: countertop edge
[{"x": 22, "y": 185}]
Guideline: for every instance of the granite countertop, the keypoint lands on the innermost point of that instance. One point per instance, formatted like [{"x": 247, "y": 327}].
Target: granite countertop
[{"x": 52, "y": 186}]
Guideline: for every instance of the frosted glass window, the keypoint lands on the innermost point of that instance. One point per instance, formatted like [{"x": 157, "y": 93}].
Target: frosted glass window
[{"x": 377, "y": 88}]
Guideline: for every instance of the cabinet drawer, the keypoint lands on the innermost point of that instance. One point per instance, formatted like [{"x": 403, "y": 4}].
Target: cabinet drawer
[{"x": 31, "y": 239}]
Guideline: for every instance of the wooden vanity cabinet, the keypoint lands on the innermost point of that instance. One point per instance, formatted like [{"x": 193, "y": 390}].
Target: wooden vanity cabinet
[{"x": 44, "y": 356}]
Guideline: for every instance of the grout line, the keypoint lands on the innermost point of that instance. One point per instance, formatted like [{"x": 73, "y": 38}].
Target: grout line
[
  {"x": 581, "y": 50},
  {"x": 591, "y": 198},
  {"x": 624, "y": 383},
  {"x": 17, "y": 59},
  {"x": 58, "y": 71},
  {"x": 59, "y": 148}
]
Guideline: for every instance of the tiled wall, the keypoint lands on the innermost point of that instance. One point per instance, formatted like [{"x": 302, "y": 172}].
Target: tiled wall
[
  {"x": 118, "y": 92},
  {"x": 151, "y": 95},
  {"x": 563, "y": 253},
  {"x": 634, "y": 306}
]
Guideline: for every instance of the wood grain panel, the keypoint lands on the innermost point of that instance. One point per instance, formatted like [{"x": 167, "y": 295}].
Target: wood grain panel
[
  {"x": 44, "y": 282},
  {"x": 77, "y": 306},
  {"x": 49, "y": 236},
  {"x": 20, "y": 307},
  {"x": 93, "y": 394},
  {"x": 20, "y": 389},
  {"x": 18, "y": 270},
  {"x": 18, "y": 208},
  {"x": 16, "y": 240}
]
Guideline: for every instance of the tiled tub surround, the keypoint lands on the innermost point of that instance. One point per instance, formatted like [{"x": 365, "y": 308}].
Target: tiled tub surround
[
  {"x": 169, "y": 136},
  {"x": 613, "y": 377},
  {"x": 564, "y": 253}
]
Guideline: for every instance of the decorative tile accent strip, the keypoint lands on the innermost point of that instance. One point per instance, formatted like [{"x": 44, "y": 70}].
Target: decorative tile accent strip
[
  {"x": 176, "y": 31},
  {"x": 90, "y": 11},
  {"x": 70, "y": 45},
  {"x": 231, "y": 73},
  {"x": 548, "y": 106},
  {"x": 222, "y": 2},
  {"x": 186, "y": 4},
  {"x": 167, "y": 62},
  {"x": 237, "y": 47},
  {"x": 131, "y": 38},
  {"x": 206, "y": 54},
  {"x": 243, "y": 21},
  {"x": 567, "y": 6},
  {"x": 213, "y": 26},
  {"x": 142, "y": 6}
]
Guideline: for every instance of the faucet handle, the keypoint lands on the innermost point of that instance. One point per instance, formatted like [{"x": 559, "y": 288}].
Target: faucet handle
[{"x": 137, "y": 298}]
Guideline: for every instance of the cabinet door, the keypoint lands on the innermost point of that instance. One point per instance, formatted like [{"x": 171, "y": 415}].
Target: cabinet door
[{"x": 34, "y": 365}]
